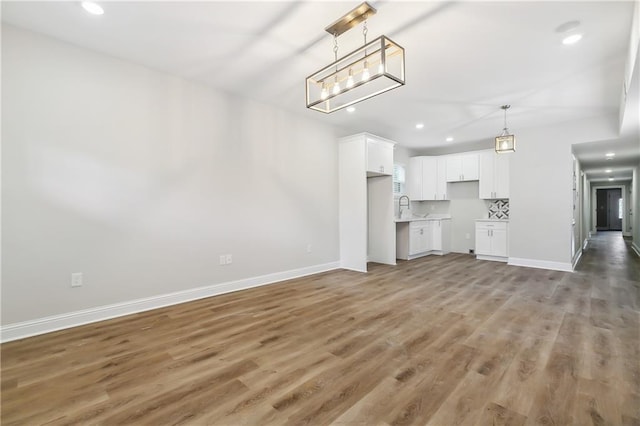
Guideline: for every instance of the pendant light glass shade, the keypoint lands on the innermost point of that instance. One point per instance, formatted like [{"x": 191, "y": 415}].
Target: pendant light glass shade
[
  {"x": 505, "y": 143},
  {"x": 374, "y": 68}
]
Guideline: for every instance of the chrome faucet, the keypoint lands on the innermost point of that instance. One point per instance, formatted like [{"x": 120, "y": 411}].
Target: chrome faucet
[{"x": 400, "y": 205}]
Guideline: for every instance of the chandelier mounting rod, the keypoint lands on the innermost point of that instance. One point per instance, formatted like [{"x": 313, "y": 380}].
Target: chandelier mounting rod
[{"x": 351, "y": 19}]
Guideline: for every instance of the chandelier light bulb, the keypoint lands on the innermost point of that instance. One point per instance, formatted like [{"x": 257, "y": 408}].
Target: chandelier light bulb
[
  {"x": 349, "y": 84},
  {"x": 336, "y": 87},
  {"x": 324, "y": 94},
  {"x": 365, "y": 72}
]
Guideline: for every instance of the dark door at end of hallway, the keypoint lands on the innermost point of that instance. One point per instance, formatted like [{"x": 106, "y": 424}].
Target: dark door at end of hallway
[{"x": 609, "y": 209}]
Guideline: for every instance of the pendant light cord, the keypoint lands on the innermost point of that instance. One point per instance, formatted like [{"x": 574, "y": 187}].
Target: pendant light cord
[{"x": 365, "y": 31}]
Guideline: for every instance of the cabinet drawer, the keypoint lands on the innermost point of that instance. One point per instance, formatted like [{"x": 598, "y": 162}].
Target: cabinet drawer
[
  {"x": 418, "y": 224},
  {"x": 491, "y": 225}
]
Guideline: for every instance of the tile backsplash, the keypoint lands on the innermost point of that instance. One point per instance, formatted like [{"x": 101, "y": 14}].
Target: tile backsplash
[{"x": 499, "y": 209}]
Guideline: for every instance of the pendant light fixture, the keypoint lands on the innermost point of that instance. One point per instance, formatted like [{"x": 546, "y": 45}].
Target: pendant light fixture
[
  {"x": 505, "y": 142},
  {"x": 374, "y": 68}
]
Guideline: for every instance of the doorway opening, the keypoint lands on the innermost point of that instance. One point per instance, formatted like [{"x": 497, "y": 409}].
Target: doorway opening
[{"x": 609, "y": 209}]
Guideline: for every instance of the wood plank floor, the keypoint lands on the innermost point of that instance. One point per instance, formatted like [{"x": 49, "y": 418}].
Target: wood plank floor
[{"x": 440, "y": 341}]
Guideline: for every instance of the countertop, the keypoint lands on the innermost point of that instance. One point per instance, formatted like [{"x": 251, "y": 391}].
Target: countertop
[{"x": 435, "y": 216}]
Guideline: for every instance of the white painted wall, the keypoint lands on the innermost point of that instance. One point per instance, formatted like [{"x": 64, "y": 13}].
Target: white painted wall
[
  {"x": 140, "y": 180},
  {"x": 635, "y": 206},
  {"x": 540, "y": 219}
]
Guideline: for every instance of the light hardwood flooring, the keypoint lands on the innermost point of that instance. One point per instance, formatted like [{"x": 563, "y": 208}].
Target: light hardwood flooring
[{"x": 439, "y": 340}]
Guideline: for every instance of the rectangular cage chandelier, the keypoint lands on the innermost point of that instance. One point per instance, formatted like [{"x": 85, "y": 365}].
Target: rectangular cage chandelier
[{"x": 374, "y": 68}]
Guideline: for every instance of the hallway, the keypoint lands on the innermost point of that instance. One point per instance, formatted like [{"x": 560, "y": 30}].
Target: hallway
[{"x": 609, "y": 255}]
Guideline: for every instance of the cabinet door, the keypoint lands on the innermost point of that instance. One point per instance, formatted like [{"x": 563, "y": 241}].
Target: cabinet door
[
  {"x": 429, "y": 178},
  {"x": 499, "y": 242},
  {"x": 415, "y": 178},
  {"x": 486, "y": 175},
  {"x": 454, "y": 168},
  {"x": 469, "y": 164},
  {"x": 426, "y": 236},
  {"x": 436, "y": 235},
  {"x": 501, "y": 176},
  {"x": 415, "y": 240},
  {"x": 441, "y": 179},
  {"x": 386, "y": 153},
  {"x": 483, "y": 241},
  {"x": 379, "y": 157}
]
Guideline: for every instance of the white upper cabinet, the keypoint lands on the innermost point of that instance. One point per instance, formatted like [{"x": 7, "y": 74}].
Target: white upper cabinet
[
  {"x": 462, "y": 167},
  {"x": 415, "y": 178},
  {"x": 427, "y": 178},
  {"x": 379, "y": 157},
  {"x": 441, "y": 179},
  {"x": 494, "y": 175}
]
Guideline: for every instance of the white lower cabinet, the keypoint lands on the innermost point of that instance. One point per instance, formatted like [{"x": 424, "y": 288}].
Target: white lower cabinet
[
  {"x": 492, "y": 240},
  {"x": 422, "y": 237},
  {"x": 419, "y": 237}
]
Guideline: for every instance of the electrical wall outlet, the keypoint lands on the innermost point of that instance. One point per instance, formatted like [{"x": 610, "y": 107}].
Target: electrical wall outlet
[
  {"x": 223, "y": 259},
  {"x": 229, "y": 259},
  {"x": 76, "y": 279}
]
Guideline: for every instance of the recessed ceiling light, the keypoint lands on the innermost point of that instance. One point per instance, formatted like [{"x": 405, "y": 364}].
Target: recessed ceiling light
[
  {"x": 92, "y": 8},
  {"x": 449, "y": 139},
  {"x": 351, "y": 109},
  {"x": 611, "y": 179},
  {"x": 608, "y": 171},
  {"x": 610, "y": 154},
  {"x": 572, "y": 39},
  {"x": 419, "y": 125}
]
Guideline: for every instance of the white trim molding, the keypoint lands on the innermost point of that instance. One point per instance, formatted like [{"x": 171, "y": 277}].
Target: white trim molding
[
  {"x": 73, "y": 319},
  {"x": 576, "y": 259},
  {"x": 541, "y": 264},
  {"x": 491, "y": 258},
  {"x": 635, "y": 248}
]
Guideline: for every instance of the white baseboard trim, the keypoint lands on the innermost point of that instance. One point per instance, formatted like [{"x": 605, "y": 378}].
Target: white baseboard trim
[
  {"x": 585, "y": 244},
  {"x": 73, "y": 319},
  {"x": 635, "y": 248},
  {"x": 540, "y": 264},
  {"x": 491, "y": 258},
  {"x": 576, "y": 259}
]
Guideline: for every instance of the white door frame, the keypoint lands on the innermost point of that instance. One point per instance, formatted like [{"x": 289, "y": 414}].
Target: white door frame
[{"x": 594, "y": 207}]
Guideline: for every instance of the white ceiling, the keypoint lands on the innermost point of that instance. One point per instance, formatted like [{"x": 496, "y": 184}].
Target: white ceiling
[{"x": 463, "y": 59}]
